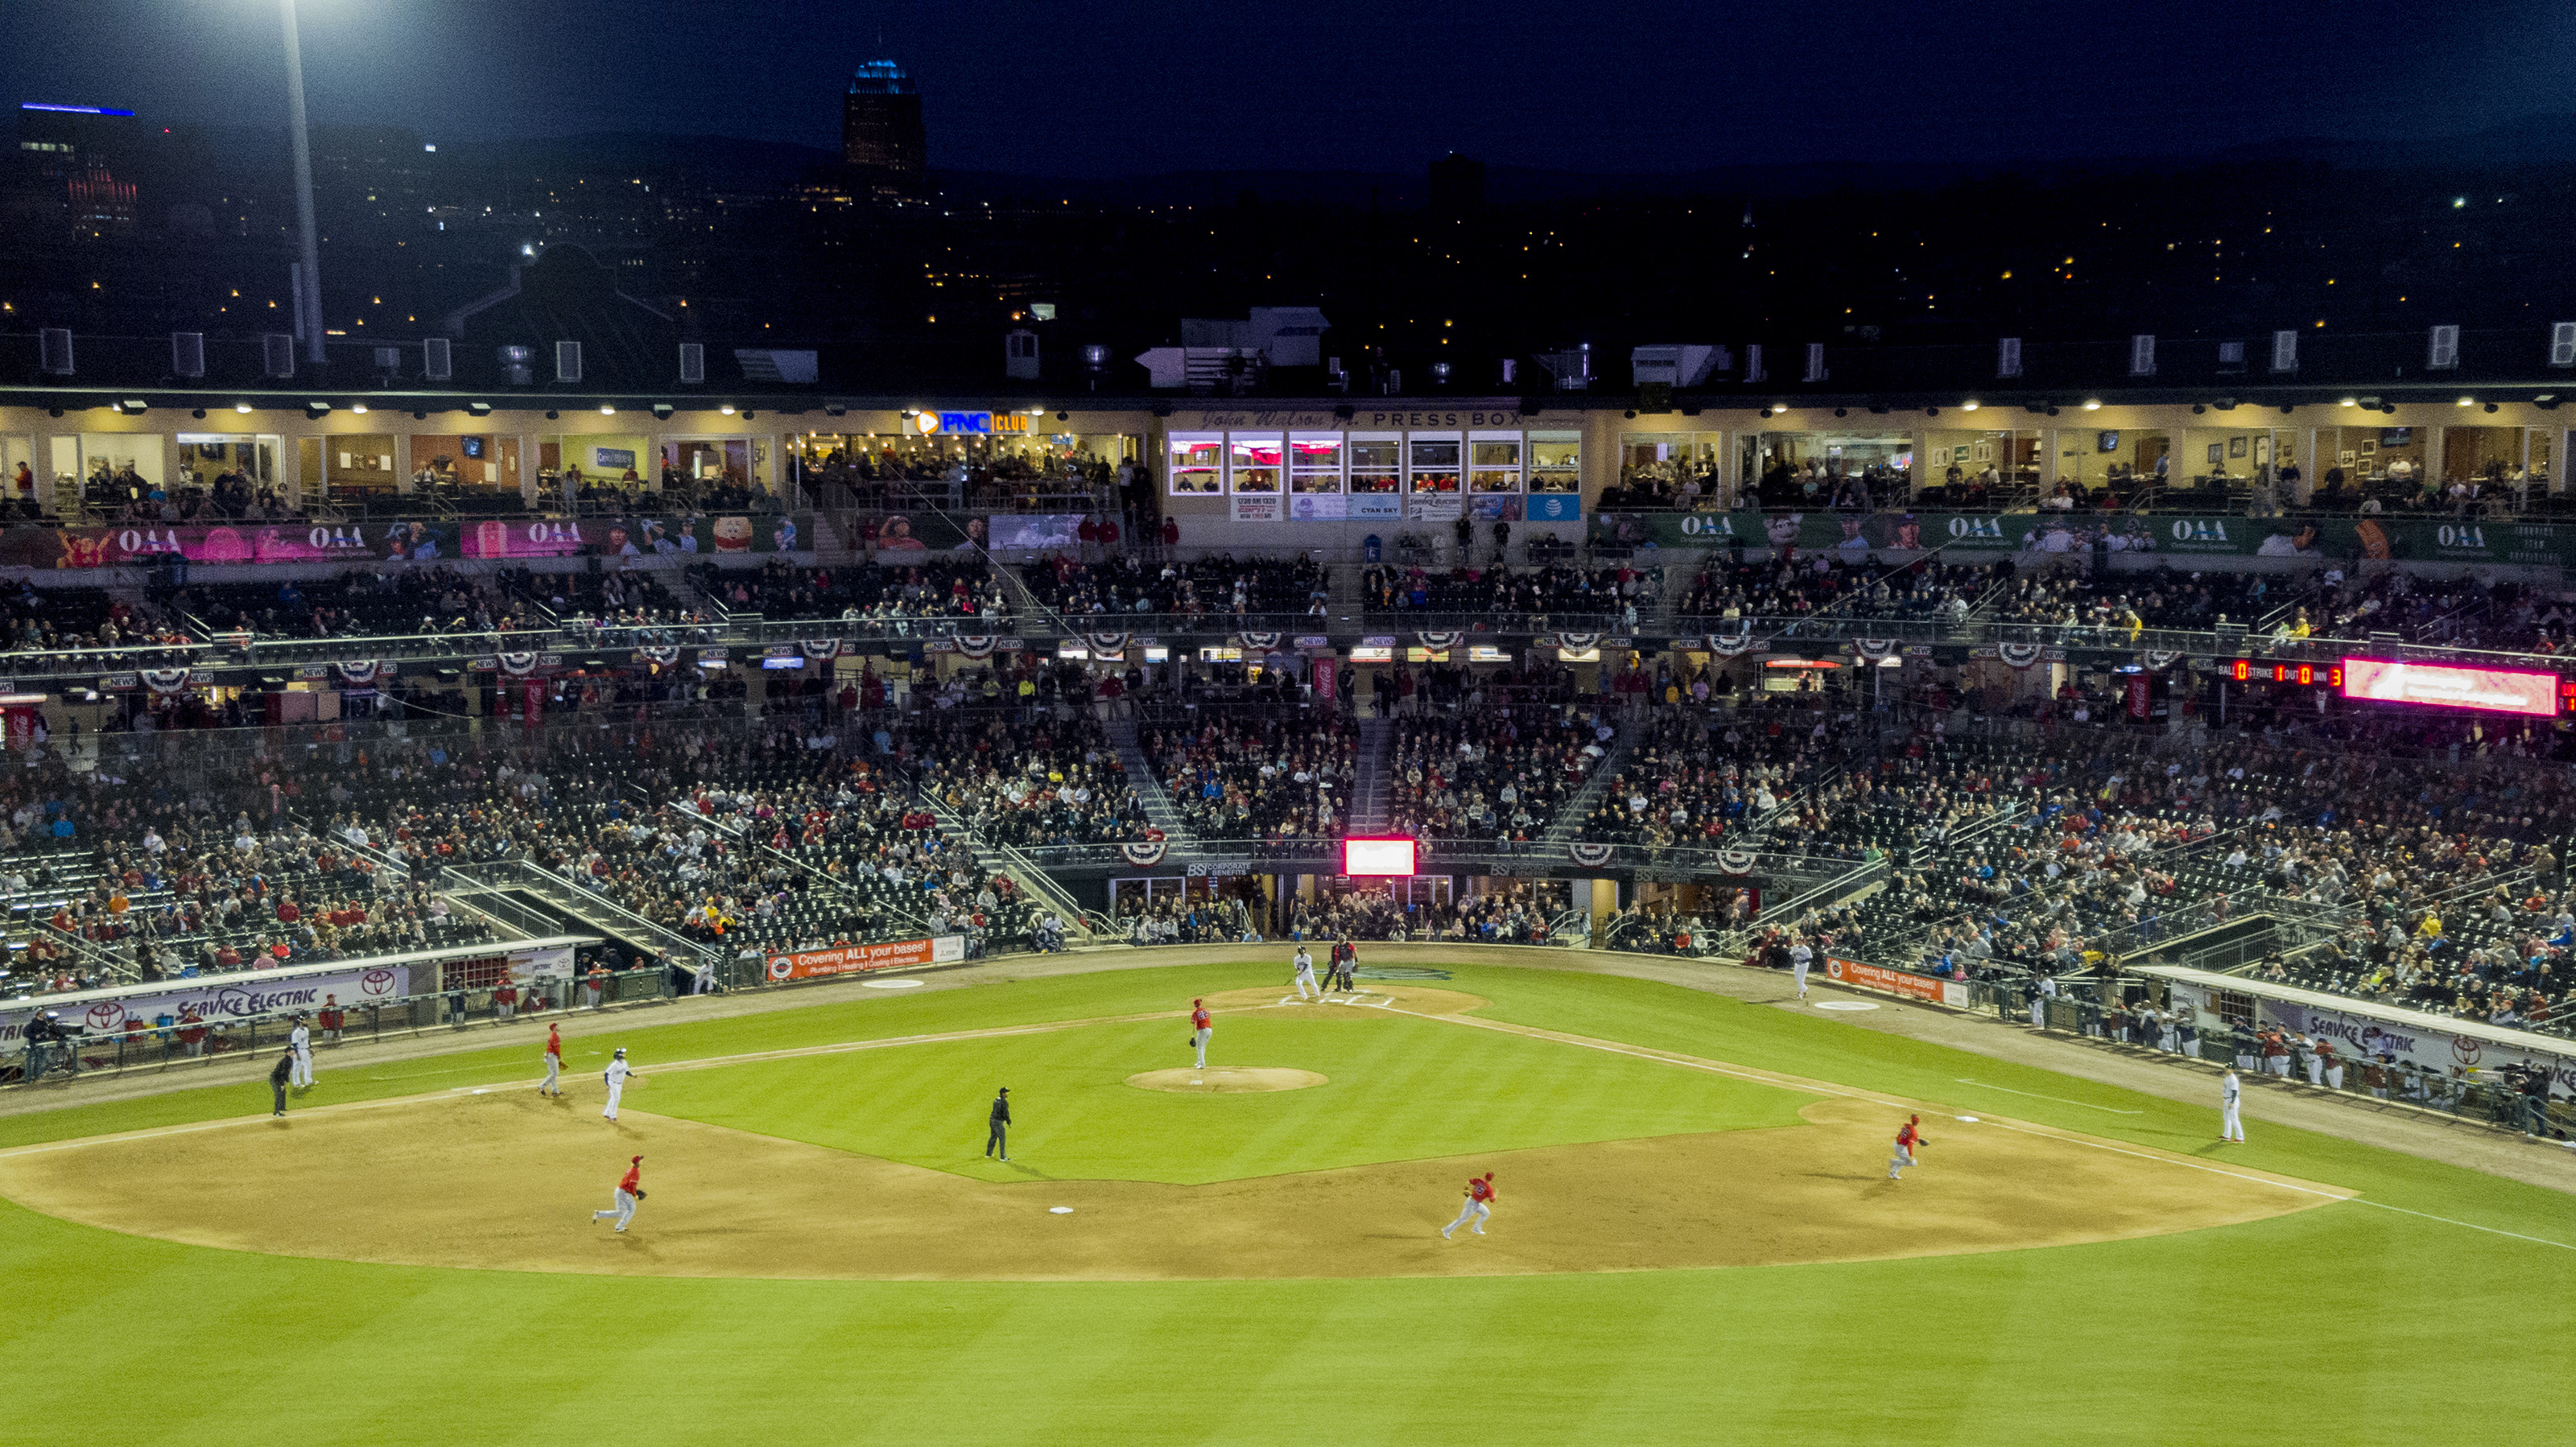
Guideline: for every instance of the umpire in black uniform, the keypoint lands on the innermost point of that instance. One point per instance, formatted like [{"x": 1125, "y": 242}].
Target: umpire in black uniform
[
  {"x": 994, "y": 1141},
  {"x": 277, "y": 1080}
]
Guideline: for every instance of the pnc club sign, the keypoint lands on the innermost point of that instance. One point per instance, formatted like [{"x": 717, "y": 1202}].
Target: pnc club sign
[{"x": 970, "y": 424}]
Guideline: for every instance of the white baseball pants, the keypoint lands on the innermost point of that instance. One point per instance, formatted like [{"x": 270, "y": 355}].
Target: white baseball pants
[
  {"x": 624, "y": 1211},
  {"x": 2231, "y": 1126},
  {"x": 1473, "y": 1210},
  {"x": 1897, "y": 1161},
  {"x": 554, "y": 1072},
  {"x": 1306, "y": 981},
  {"x": 614, "y": 1092},
  {"x": 302, "y": 1074},
  {"x": 1201, "y": 1040}
]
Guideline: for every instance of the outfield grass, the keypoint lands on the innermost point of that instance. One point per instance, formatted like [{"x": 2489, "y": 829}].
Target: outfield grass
[
  {"x": 2344, "y": 1323},
  {"x": 1401, "y": 1088}
]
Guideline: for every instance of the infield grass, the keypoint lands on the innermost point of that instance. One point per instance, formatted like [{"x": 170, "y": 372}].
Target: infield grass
[{"x": 2344, "y": 1323}]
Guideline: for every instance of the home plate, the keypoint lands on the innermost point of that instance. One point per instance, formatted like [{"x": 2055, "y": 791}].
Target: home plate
[
  {"x": 1845, "y": 1005},
  {"x": 889, "y": 984},
  {"x": 1059, "y": 1210}
]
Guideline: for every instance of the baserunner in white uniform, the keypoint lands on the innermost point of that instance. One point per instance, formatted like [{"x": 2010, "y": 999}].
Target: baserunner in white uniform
[
  {"x": 2231, "y": 1126},
  {"x": 1306, "y": 975},
  {"x": 300, "y": 1041},
  {"x": 616, "y": 1076},
  {"x": 1800, "y": 957}
]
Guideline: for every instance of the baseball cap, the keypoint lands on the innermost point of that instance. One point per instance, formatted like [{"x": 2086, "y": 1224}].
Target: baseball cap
[
  {"x": 621, "y": 1050},
  {"x": 635, "y": 1160}
]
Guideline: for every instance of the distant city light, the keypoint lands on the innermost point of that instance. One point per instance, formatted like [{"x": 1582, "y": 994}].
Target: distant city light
[
  {"x": 429, "y": 148},
  {"x": 37, "y": 105}
]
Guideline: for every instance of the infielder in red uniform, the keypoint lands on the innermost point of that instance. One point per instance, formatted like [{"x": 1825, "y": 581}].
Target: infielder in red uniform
[
  {"x": 554, "y": 1062},
  {"x": 1201, "y": 1027},
  {"x": 1479, "y": 1207},
  {"x": 1907, "y": 1139},
  {"x": 630, "y": 1190}
]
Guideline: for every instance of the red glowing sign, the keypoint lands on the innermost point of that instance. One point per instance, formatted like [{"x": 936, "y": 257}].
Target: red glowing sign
[
  {"x": 2435, "y": 685},
  {"x": 1377, "y": 856}
]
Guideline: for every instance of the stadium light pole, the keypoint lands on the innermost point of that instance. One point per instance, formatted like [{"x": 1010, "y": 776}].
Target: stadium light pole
[{"x": 309, "y": 295}]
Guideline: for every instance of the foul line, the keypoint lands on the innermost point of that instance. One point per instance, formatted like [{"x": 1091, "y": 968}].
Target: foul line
[
  {"x": 1819, "y": 1088},
  {"x": 2061, "y": 1100},
  {"x": 2472, "y": 1225},
  {"x": 1688, "y": 1062}
]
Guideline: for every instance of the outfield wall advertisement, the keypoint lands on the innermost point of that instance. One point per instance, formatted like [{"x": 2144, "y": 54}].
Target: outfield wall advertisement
[
  {"x": 867, "y": 959},
  {"x": 1953, "y": 993},
  {"x": 232, "y": 997},
  {"x": 2422, "y": 1041}
]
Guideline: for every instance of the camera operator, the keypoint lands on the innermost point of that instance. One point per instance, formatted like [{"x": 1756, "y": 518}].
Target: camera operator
[{"x": 42, "y": 1030}]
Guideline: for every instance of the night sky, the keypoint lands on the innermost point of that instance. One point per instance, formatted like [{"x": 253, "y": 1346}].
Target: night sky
[{"x": 1112, "y": 89}]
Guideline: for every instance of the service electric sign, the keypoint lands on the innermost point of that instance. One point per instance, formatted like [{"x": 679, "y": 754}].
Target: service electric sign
[{"x": 243, "y": 996}]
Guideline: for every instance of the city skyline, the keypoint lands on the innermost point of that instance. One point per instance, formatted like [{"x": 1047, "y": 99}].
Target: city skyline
[{"x": 1143, "y": 89}]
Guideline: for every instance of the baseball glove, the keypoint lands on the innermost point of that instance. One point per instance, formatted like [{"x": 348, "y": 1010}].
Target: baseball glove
[{"x": 639, "y": 1194}]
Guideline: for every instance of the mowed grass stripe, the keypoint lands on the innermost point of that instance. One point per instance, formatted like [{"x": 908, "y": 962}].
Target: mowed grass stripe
[
  {"x": 1400, "y": 1088},
  {"x": 2361, "y": 1325}
]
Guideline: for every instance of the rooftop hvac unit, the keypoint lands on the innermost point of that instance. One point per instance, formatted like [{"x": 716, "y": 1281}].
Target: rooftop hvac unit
[
  {"x": 1572, "y": 368},
  {"x": 693, "y": 362},
  {"x": 437, "y": 363},
  {"x": 1816, "y": 362},
  {"x": 567, "y": 361},
  {"x": 2285, "y": 351},
  {"x": 1753, "y": 371},
  {"x": 58, "y": 351},
  {"x": 1672, "y": 365},
  {"x": 276, "y": 355},
  {"x": 2231, "y": 357},
  {"x": 2443, "y": 349},
  {"x": 1020, "y": 355},
  {"x": 2142, "y": 355},
  {"x": 389, "y": 361},
  {"x": 188, "y": 354},
  {"x": 2007, "y": 356},
  {"x": 2562, "y": 344}
]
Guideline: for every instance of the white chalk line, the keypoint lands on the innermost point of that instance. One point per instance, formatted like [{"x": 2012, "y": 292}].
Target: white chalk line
[
  {"x": 1390, "y": 1007},
  {"x": 2059, "y": 1099},
  {"x": 704, "y": 1063}
]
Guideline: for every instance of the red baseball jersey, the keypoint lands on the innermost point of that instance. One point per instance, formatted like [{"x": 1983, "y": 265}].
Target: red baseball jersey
[
  {"x": 1481, "y": 1189},
  {"x": 634, "y": 1176},
  {"x": 554, "y": 1044},
  {"x": 1199, "y": 1019},
  {"x": 1906, "y": 1137}
]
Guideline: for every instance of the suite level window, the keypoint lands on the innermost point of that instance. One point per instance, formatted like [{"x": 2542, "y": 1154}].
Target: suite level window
[
  {"x": 1315, "y": 463},
  {"x": 1257, "y": 463},
  {"x": 1433, "y": 465},
  {"x": 1556, "y": 462},
  {"x": 1494, "y": 464},
  {"x": 1377, "y": 464},
  {"x": 1197, "y": 464}
]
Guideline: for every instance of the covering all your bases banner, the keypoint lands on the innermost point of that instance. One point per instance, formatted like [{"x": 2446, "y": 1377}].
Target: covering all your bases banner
[
  {"x": 1896, "y": 982},
  {"x": 864, "y": 959},
  {"x": 232, "y": 997},
  {"x": 2181, "y": 536}
]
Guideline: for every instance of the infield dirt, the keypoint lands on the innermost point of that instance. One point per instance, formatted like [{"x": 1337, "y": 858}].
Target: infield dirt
[{"x": 507, "y": 1179}]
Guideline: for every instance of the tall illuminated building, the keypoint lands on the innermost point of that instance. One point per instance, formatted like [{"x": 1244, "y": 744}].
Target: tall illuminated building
[{"x": 881, "y": 121}]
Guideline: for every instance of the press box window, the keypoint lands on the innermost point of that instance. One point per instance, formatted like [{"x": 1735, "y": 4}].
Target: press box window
[
  {"x": 1256, "y": 463},
  {"x": 1377, "y": 464},
  {"x": 1494, "y": 463},
  {"x": 1197, "y": 464},
  {"x": 1315, "y": 463}
]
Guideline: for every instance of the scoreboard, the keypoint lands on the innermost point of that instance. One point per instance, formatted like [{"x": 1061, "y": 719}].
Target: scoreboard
[{"x": 2524, "y": 693}]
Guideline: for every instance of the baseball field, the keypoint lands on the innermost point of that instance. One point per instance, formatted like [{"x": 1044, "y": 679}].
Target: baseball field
[{"x": 1694, "y": 1237}]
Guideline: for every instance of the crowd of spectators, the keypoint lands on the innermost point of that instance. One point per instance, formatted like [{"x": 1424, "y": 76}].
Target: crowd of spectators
[
  {"x": 1604, "y": 598},
  {"x": 1221, "y": 586},
  {"x": 894, "y": 591},
  {"x": 1828, "y": 582},
  {"x": 1490, "y": 774},
  {"x": 1279, "y": 773},
  {"x": 1028, "y": 782}
]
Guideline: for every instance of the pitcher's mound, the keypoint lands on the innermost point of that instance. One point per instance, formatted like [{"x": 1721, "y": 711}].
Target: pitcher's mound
[{"x": 1229, "y": 1081}]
